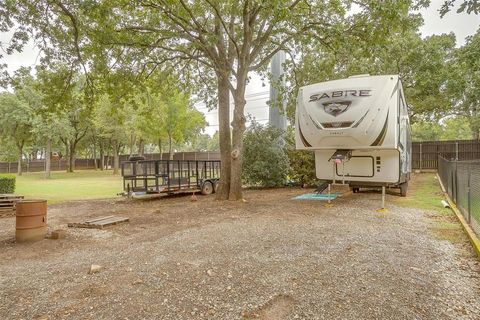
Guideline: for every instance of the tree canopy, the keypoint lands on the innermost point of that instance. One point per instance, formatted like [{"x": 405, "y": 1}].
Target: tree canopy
[{"x": 126, "y": 73}]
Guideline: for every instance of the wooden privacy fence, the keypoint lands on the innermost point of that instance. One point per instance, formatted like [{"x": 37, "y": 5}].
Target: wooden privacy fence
[
  {"x": 89, "y": 164},
  {"x": 425, "y": 154},
  {"x": 39, "y": 165},
  {"x": 207, "y": 155}
]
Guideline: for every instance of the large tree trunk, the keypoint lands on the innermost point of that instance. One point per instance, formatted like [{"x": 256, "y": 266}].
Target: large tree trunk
[
  {"x": 67, "y": 154},
  {"x": 132, "y": 143},
  {"x": 116, "y": 161},
  {"x": 237, "y": 148},
  {"x": 71, "y": 156},
  {"x": 238, "y": 125},
  {"x": 170, "y": 153},
  {"x": 48, "y": 158},
  {"x": 141, "y": 148},
  {"x": 95, "y": 162},
  {"x": 102, "y": 156},
  {"x": 160, "y": 148},
  {"x": 20, "y": 155},
  {"x": 225, "y": 136}
]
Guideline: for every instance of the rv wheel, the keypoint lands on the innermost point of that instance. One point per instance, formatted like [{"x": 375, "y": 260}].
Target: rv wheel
[
  {"x": 207, "y": 188},
  {"x": 403, "y": 189}
]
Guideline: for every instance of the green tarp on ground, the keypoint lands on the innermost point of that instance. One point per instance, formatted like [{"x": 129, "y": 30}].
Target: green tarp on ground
[{"x": 315, "y": 196}]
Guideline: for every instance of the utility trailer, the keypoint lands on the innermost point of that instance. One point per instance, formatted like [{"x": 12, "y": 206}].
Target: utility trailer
[
  {"x": 359, "y": 129},
  {"x": 147, "y": 178}
]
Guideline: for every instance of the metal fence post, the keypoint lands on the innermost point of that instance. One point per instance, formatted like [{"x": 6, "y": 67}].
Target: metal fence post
[
  {"x": 421, "y": 160},
  {"x": 456, "y": 151},
  {"x": 455, "y": 182},
  {"x": 469, "y": 201}
]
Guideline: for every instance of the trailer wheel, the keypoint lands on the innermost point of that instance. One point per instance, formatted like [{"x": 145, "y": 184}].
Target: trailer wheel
[
  {"x": 403, "y": 189},
  {"x": 207, "y": 188},
  {"x": 215, "y": 186},
  {"x": 355, "y": 189}
]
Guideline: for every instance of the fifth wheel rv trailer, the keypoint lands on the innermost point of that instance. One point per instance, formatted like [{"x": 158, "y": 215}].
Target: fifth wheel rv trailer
[{"x": 359, "y": 129}]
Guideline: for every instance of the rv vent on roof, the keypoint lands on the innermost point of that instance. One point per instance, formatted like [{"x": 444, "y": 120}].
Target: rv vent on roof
[{"x": 360, "y": 75}]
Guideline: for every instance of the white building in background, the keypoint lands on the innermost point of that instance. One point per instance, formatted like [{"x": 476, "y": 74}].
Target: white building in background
[{"x": 257, "y": 96}]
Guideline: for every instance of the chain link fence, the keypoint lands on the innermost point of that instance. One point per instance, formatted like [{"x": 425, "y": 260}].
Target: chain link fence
[{"x": 461, "y": 180}]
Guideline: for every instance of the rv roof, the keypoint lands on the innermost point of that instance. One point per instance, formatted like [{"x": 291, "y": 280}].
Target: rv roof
[
  {"x": 350, "y": 80},
  {"x": 360, "y": 75}
]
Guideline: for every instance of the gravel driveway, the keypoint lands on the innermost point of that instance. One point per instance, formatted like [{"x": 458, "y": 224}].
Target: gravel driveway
[{"x": 268, "y": 258}]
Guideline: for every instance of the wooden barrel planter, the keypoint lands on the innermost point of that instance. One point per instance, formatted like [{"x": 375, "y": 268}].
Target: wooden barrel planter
[{"x": 31, "y": 221}]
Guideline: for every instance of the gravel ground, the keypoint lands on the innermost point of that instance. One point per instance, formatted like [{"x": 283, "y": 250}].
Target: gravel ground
[{"x": 268, "y": 258}]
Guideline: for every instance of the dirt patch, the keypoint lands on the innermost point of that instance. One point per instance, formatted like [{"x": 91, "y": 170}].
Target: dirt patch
[{"x": 271, "y": 257}]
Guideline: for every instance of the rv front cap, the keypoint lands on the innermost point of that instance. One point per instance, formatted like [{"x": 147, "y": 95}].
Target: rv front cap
[{"x": 339, "y": 94}]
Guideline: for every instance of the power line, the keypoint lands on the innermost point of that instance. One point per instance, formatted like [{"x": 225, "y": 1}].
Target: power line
[
  {"x": 216, "y": 125},
  {"x": 265, "y": 93},
  {"x": 246, "y": 109}
]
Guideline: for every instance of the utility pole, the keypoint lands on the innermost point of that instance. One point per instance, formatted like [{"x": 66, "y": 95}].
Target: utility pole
[{"x": 276, "y": 114}]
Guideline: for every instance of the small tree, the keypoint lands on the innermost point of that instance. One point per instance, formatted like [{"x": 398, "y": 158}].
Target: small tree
[
  {"x": 168, "y": 114},
  {"x": 265, "y": 162},
  {"x": 302, "y": 162},
  {"x": 15, "y": 123},
  {"x": 109, "y": 121},
  {"x": 49, "y": 127}
]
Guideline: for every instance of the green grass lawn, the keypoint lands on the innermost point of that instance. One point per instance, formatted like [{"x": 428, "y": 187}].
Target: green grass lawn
[
  {"x": 424, "y": 192},
  {"x": 62, "y": 186}
]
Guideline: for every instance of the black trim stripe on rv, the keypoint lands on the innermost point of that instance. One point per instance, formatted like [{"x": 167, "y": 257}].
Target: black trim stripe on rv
[
  {"x": 304, "y": 141},
  {"x": 361, "y": 119},
  {"x": 382, "y": 134},
  {"x": 394, "y": 89},
  {"x": 315, "y": 123}
]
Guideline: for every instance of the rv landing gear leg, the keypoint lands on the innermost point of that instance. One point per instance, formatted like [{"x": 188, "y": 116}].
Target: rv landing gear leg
[
  {"x": 383, "y": 209},
  {"x": 329, "y": 202}
]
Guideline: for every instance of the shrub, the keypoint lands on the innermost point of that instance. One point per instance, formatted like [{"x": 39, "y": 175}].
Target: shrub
[
  {"x": 7, "y": 183},
  {"x": 302, "y": 162},
  {"x": 265, "y": 162}
]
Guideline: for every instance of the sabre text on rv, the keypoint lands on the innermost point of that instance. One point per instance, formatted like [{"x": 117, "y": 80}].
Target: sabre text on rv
[{"x": 339, "y": 94}]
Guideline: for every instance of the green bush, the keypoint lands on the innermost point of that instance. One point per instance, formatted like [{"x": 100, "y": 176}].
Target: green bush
[
  {"x": 302, "y": 162},
  {"x": 265, "y": 162},
  {"x": 7, "y": 183}
]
